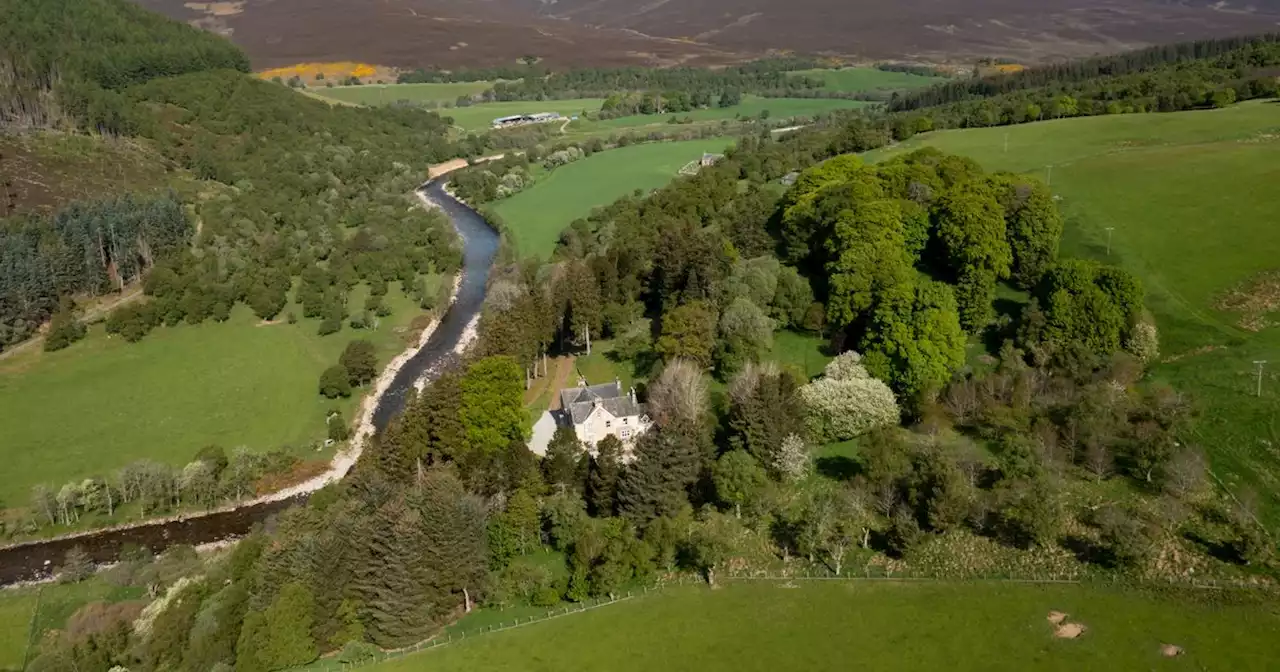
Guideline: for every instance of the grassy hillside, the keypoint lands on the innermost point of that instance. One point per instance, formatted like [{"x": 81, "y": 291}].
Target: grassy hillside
[
  {"x": 877, "y": 626},
  {"x": 856, "y": 80},
  {"x": 1183, "y": 195},
  {"x": 232, "y": 384},
  {"x": 535, "y": 217}
]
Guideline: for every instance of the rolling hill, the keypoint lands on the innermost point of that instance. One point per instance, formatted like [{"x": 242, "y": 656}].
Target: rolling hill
[{"x": 452, "y": 33}]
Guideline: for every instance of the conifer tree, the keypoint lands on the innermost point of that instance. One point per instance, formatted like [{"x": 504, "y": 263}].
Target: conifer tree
[{"x": 602, "y": 479}]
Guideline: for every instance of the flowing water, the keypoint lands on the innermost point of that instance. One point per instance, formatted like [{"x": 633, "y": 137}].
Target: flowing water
[{"x": 35, "y": 560}]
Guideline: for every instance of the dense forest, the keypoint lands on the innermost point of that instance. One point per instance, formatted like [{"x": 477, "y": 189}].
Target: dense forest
[
  {"x": 86, "y": 249},
  {"x": 290, "y": 187},
  {"x": 65, "y": 62}
]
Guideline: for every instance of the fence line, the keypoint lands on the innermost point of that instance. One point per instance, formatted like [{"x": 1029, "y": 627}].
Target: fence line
[
  {"x": 681, "y": 580},
  {"x": 447, "y": 639}
]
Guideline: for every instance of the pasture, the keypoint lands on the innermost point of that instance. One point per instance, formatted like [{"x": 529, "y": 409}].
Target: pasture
[
  {"x": 828, "y": 625},
  {"x": 535, "y": 217},
  {"x": 102, "y": 403},
  {"x": 480, "y": 116},
  {"x": 858, "y": 80},
  {"x": 387, "y": 94},
  {"x": 751, "y": 107},
  {"x": 1182, "y": 200}
]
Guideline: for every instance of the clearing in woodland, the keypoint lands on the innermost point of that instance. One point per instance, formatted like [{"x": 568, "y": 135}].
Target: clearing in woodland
[
  {"x": 1183, "y": 200},
  {"x": 838, "y": 625},
  {"x": 535, "y": 217}
]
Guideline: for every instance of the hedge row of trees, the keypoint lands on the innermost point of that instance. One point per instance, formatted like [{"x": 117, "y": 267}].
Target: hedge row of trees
[{"x": 150, "y": 488}]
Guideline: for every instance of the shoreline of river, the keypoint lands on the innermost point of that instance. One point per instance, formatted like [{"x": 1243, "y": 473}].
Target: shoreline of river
[{"x": 341, "y": 462}]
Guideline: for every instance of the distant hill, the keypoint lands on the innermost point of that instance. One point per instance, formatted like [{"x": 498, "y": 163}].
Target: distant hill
[{"x": 454, "y": 33}]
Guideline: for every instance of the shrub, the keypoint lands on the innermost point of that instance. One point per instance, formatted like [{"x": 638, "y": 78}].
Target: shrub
[
  {"x": 1144, "y": 342},
  {"x": 847, "y": 402},
  {"x": 335, "y": 382}
]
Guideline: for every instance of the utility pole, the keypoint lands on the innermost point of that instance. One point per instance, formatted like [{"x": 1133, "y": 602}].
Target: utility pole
[
  {"x": 1006, "y": 142},
  {"x": 1259, "y": 363},
  {"x": 1049, "y": 181},
  {"x": 1109, "y": 230},
  {"x": 587, "y": 331}
]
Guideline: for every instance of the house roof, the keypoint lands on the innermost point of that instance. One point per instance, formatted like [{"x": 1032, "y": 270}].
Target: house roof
[{"x": 580, "y": 401}]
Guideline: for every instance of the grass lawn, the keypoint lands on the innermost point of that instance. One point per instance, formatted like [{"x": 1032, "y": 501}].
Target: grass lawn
[
  {"x": 876, "y": 626},
  {"x": 377, "y": 94},
  {"x": 479, "y": 117},
  {"x": 103, "y": 403},
  {"x": 56, "y": 603},
  {"x": 803, "y": 354},
  {"x": 868, "y": 79},
  {"x": 1188, "y": 199},
  {"x": 16, "y": 609},
  {"x": 535, "y": 217}
]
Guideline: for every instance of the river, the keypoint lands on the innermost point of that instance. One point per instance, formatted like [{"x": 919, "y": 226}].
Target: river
[{"x": 35, "y": 560}]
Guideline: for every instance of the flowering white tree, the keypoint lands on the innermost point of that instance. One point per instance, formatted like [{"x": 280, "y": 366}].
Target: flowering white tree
[
  {"x": 1144, "y": 341},
  {"x": 847, "y": 402},
  {"x": 792, "y": 462}
]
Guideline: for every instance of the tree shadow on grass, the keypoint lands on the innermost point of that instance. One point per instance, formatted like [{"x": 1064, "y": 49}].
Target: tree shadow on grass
[{"x": 838, "y": 467}]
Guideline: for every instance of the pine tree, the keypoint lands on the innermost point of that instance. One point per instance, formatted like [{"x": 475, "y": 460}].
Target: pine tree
[
  {"x": 656, "y": 484},
  {"x": 361, "y": 362},
  {"x": 602, "y": 480},
  {"x": 290, "y": 618}
]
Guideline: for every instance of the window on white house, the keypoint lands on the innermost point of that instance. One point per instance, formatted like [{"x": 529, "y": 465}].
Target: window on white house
[
  {"x": 626, "y": 434},
  {"x": 608, "y": 423}
]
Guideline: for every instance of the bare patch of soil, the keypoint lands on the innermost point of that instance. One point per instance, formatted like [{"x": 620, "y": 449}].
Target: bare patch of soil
[
  {"x": 1171, "y": 650},
  {"x": 1056, "y": 617},
  {"x": 1254, "y": 299}
]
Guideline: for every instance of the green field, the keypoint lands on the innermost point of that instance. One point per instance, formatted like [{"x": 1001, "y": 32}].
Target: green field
[
  {"x": 752, "y": 106},
  {"x": 856, "y": 80},
  {"x": 376, "y": 94},
  {"x": 103, "y": 403},
  {"x": 875, "y": 626},
  {"x": 17, "y": 607},
  {"x": 1186, "y": 196},
  {"x": 535, "y": 217},
  {"x": 480, "y": 117}
]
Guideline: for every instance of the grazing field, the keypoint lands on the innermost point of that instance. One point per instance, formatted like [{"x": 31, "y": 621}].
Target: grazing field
[
  {"x": 17, "y": 607},
  {"x": 877, "y": 626},
  {"x": 377, "y": 94},
  {"x": 1188, "y": 200},
  {"x": 535, "y": 217},
  {"x": 857, "y": 80},
  {"x": 751, "y": 106},
  {"x": 238, "y": 383},
  {"x": 479, "y": 117}
]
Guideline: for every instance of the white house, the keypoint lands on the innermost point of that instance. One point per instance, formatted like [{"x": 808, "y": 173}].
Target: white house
[{"x": 597, "y": 411}]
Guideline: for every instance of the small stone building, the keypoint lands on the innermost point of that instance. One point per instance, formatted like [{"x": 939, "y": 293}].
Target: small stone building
[{"x": 596, "y": 411}]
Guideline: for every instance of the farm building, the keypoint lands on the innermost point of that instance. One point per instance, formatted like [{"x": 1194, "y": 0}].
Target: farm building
[{"x": 522, "y": 119}]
